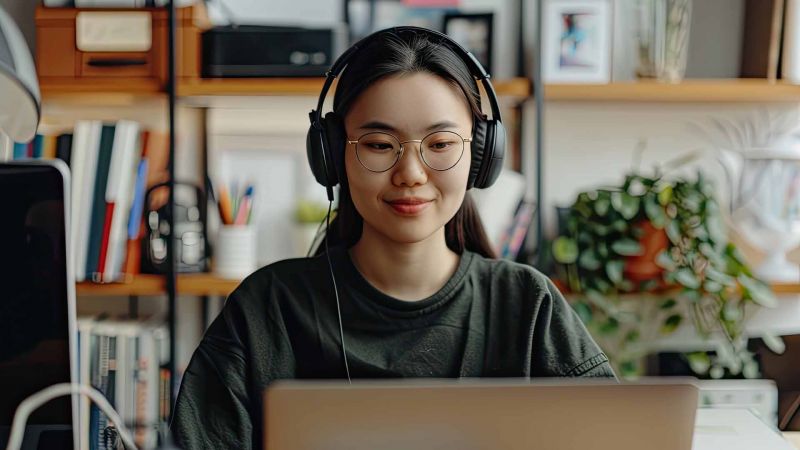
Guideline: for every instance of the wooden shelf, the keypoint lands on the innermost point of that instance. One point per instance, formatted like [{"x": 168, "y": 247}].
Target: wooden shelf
[
  {"x": 209, "y": 284},
  {"x": 692, "y": 90},
  {"x": 152, "y": 285},
  {"x": 515, "y": 87},
  {"x": 786, "y": 288}
]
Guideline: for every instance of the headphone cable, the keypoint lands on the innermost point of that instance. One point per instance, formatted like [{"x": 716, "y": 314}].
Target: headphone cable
[{"x": 336, "y": 291}]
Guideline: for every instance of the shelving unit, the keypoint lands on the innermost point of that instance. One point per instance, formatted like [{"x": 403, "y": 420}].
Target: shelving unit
[
  {"x": 689, "y": 91},
  {"x": 200, "y": 284}
]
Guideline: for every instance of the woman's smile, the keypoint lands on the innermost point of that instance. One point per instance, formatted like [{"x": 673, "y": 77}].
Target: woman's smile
[{"x": 409, "y": 206}]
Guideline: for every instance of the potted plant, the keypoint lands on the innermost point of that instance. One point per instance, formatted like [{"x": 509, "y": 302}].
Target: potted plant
[
  {"x": 308, "y": 218},
  {"x": 640, "y": 259}
]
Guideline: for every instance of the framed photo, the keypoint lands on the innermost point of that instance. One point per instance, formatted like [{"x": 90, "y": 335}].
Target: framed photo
[
  {"x": 473, "y": 32},
  {"x": 576, "y": 45}
]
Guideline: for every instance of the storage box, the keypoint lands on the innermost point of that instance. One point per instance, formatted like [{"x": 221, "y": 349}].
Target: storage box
[{"x": 116, "y": 49}]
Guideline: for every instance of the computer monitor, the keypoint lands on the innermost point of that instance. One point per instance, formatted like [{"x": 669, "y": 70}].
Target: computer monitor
[
  {"x": 563, "y": 414},
  {"x": 37, "y": 300}
]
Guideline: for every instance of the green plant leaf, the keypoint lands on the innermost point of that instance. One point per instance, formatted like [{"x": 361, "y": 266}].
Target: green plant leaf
[
  {"x": 614, "y": 271},
  {"x": 687, "y": 278},
  {"x": 669, "y": 303},
  {"x": 626, "y": 247},
  {"x": 610, "y": 326},
  {"x": 699, "y": 362},
  {"x": 625, "y": 204},
  {"x": 632, "y": 336},
  {"x": 674, "y": 231},
  {"x": 602, "y": 250},
  {"x": 565, "y": 250},
  {"x": 648, "y": 285},
  {"x": 774, "y": 343},
  {"x": 665, "y": 195},
  {"x": 601, "y": 206},
  {"x": 584, "y": 312},
  {"x": 759, "y": 292},
  {"x": 671, "y": 324},
  {"x": 720, "y": 277},
  {"x": 712, "y": 286},
  {"x": 589, "y": 261},
  {"x": 655, "y": 212},
  {"x": 664, "y": 260}
]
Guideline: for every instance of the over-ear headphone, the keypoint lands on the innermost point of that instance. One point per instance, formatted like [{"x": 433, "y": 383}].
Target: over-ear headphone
[{"x": 325, "y": 142}]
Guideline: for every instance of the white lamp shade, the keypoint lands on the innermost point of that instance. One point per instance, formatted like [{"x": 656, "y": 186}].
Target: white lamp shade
[{"x": 19, "y": 90}]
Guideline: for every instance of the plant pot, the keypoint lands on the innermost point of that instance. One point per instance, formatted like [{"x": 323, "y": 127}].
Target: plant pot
[{"x": 643, "y": 267}]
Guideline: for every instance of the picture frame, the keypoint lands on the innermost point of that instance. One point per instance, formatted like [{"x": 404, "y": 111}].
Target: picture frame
[
  {"x": 577, "y": 41},
  {"x": 474, "y": 31}
]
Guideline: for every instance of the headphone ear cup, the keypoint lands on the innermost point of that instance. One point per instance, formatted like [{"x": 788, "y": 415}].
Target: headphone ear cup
[
  {"x": 336, "y": 140},
  {"x": 315, "y": 151},
  {"x": 478, "y": 148},
  {"x": 490, "y": 149}
]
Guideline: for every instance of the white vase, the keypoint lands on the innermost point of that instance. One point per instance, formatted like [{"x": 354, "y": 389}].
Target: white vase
[{"x": 790, "y": 70}]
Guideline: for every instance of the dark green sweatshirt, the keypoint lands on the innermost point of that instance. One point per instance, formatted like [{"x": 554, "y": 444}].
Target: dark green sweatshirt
[{"x": 493, "y": 318}]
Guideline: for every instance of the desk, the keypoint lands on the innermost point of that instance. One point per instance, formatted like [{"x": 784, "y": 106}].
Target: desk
[{"x": 735, "y": 429}]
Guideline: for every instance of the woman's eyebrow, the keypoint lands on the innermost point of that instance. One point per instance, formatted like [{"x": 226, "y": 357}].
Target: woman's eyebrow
[{"x": 375, "y": 125}]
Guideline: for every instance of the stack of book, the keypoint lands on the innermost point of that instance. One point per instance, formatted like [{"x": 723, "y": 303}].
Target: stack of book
[
  {"x": 111, "y": 164},
  {"x": 126, "y": 361}
]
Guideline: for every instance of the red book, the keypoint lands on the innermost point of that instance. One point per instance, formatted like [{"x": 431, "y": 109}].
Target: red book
[{"x": 101, "y": 264}]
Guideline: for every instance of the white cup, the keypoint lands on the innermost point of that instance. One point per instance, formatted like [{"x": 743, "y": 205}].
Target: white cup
[{"x": 235, "y": 253}]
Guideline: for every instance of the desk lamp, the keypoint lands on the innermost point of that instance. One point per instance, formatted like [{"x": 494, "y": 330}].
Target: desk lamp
[{"x": 19, "y": 91}]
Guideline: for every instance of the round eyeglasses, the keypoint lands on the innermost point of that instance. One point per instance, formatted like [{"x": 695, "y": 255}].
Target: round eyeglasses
[{"x": 378, "y": 151}]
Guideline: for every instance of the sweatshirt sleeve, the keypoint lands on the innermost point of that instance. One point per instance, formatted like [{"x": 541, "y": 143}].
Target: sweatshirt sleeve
[
  {"x": 562, "y": 346},
  {"x": 213, "y": 408}
]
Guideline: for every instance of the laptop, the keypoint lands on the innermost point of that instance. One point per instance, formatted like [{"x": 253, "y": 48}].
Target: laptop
[
  {"x": 553, "y": 414},
  {"x": 37, "y": 301}
]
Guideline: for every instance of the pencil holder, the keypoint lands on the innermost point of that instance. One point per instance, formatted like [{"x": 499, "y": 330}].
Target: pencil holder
[{"x": 235, "y": 254}]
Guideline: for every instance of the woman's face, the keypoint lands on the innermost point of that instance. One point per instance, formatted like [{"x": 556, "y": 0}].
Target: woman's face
[{"x": 409, "y": 202}]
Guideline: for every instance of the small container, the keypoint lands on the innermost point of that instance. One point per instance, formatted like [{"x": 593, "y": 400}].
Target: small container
[{"x": 235, "y": 253}]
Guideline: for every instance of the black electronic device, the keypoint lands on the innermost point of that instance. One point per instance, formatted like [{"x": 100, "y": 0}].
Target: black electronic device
[
  {"x": 37, "y": 301},
  {"x": 269, "y": 51},
  {"x": 326, "y": 138},
  {"x": 187, "y": 229}
]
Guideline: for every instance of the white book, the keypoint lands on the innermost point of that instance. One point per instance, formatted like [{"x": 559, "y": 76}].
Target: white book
[
  {"x": 121, "y": 177},
  {"x": 88, "y": 148},
  {"x": 84, "y": 376}
]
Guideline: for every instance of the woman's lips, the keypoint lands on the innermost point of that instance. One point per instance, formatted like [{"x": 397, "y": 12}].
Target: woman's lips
[{"x": 409, "y": 206}]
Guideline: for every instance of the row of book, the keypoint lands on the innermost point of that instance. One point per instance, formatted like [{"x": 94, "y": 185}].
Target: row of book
[
  {"x": 127, "y": 362},
  {"x": 112, "y": 165}
]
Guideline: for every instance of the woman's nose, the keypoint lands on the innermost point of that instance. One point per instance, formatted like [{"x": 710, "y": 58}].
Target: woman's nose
[{"x": 410, "y": 170}]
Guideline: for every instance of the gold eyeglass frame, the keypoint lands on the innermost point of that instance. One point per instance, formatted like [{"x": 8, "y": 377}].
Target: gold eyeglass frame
[{"x": 403, "y": 148}]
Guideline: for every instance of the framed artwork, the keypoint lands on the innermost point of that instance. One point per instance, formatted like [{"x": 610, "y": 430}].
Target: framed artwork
[
  {"x": 473, "y": 32},
  {"x": 576, "y": 44}
]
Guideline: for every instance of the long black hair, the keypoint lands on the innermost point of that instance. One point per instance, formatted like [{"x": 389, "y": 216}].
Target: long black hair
[{"x": 403, "y": 53}]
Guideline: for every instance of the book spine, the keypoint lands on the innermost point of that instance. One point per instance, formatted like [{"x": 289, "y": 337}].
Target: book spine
[{"x": 99, "y": 203}]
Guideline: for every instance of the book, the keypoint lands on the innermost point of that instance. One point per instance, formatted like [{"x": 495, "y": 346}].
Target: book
[
  {"x": 98, "y": 215},
  {"x": 119, "y": 195},
  {"x": 64, "y": 147},
  {"x": 83, "y": 161},
  {"x": 761, "y": 43}
]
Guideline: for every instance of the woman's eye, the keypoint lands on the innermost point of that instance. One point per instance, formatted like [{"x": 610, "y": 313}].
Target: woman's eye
[
  {"x": 442, "y": 146},
  {"x": 379, "y": 146}
]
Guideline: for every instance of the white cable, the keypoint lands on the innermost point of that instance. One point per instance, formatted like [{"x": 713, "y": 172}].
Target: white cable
[{"x": 36, "y": 400}]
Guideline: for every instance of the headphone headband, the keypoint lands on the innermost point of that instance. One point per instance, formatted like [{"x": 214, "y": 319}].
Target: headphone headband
[{"x": 475, "y": 67}]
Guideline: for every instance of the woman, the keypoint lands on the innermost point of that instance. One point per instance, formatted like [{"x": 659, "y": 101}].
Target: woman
[{"x": 420, "y": 293}]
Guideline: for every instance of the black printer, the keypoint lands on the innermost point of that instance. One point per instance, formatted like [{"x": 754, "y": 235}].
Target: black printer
[{"x": 269, "y": 51}]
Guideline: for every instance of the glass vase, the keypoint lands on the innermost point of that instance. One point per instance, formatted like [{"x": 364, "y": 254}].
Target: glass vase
[{"x": 662, "y": 36}]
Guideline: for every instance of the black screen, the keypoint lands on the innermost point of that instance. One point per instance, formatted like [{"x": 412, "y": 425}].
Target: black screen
[{"x": 34, "y": 321}]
